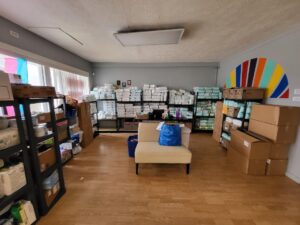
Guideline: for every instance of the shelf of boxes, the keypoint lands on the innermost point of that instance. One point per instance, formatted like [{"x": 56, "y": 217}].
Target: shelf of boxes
[
  {"x": 16, "y": 180},
  {"x": 132, "y": 94},
  {"x": 152, "y": 93},
  {"x": 205, "y": 107}
]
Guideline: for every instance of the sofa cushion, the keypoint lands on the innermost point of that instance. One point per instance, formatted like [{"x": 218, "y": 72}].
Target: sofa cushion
[{"x": 152, "y": 152}]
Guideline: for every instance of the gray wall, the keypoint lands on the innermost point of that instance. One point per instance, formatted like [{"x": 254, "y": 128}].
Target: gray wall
[
  {"x": 285, "y": 50},
  {"x": 173, "y": 75},
  {"x": 38, "y": 45}
]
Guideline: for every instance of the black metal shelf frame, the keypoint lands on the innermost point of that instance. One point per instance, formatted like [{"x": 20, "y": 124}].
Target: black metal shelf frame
[
  {"x": 27, "y": 191},
  {"x": 197, "y": 99},
  {"x": 33, "y": 141}
]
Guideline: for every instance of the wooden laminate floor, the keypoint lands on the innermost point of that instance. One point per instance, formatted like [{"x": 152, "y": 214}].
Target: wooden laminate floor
[{"x": 102, "y": 188}]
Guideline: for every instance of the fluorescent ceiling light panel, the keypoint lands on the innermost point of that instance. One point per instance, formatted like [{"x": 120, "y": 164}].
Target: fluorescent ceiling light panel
[{"x": 155, "y": 37}]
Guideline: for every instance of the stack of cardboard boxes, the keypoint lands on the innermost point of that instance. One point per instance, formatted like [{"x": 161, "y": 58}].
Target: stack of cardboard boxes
[{"x": 263, "y": 150}]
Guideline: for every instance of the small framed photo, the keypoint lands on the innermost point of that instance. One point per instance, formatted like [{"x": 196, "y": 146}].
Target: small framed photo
[
  {"x": 123, "y": 84},
  {"x": 129, "y": 82},
  {"x": 118, "y": 82}
]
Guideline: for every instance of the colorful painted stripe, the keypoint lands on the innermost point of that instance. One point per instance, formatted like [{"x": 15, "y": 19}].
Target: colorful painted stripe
[
  {"x": 238, "y": 75},
  {"x": 232, "y": 78},
  {"x": 244, "y": 73},
  {"x": 275, "y": 79},
  {"x": 251, "y": 72},
  {"x": 259, "y": 71},
  {"x": 269, "y": 69},
  {"x": 281, "y": 87}
]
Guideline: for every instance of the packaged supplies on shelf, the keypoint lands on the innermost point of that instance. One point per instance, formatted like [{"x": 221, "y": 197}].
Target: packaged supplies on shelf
[
  {"x": 65, "y": 154},
  {"x": 77, "y": 149},
  {"x": 154, "y": 93},
  {"x": 105, "y": 92},
  {"x": 22, "y": 213},
  {"x": 51, "y": 193},
  {"x": 12, "y": 179},
  {"x": 5, "y": 88},
  {"x": 46, "y": 159},
  {"x": 89, "y": 98},
  {"x": 77, "y": 137},
  {"x": 142, "y": 116},
  {"x": 205, "y": 124},
  {"x": 62, "y": 130},
  {"x": 93, "y": 108},
  {"x": 132, "y": 94},
  {"x": 244, "y": 93},
  {"x": 183, "y": 112},
  {"x": 208, "y": 92},
  {"x": 181, "y": 97},
  {"x": 206, "y": 108},
  {"x": 50, "y": 181},
  {"x": 149, "y": 107},
  {"x": 9, "y": 137},
  {"x": 128, "y": 110},
  {"x": 108, "y": 110},
  {"x": 226, "y": 137}
]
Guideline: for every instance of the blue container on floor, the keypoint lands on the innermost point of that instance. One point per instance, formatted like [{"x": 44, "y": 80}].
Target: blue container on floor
[{"x": 132, "y": 143}]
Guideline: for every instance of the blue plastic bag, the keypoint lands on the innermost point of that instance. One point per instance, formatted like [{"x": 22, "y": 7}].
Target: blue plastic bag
[{"x": 170, "y": 135}]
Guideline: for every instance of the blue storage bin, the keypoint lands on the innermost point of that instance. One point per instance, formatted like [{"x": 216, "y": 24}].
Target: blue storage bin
[{"x": 132, "y": 143}]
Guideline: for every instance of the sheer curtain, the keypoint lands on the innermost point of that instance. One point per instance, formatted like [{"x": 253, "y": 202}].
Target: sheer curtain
[{"x": 69, "y": 83}]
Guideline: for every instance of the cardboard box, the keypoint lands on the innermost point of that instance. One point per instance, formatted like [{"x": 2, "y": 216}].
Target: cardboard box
[
  {"x": 226, "y": 93},
  {"x": 245, "y": 165},
  {"x": 276, "y": 115},
  {"x": 249, "y": 146},
  {"x": 248, "y": 93},
  {"x": 5, "y": 88},
  {"x": 276, "y": 167},
  {"x": 28, "y": 91},
  {"x": 278, "y": 134},
  {"x": 277, "y": 151},
  {"x": 85, "y": 123},
  {"x": 46, "y": 117},
  {"x": 232, "y": 111},
  {"x": 46, "y": 159},
  {"x": 218, "y": 121},
  {"x": 51, "y": 194}
]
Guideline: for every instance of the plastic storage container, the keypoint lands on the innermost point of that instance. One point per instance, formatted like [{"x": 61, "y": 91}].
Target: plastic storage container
[{"x": 132, "y": 143}]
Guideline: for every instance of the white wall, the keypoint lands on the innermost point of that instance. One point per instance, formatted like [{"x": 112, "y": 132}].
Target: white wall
[
  {"x": 172, "y": 75},
  {"x": 285, "y": 50}
]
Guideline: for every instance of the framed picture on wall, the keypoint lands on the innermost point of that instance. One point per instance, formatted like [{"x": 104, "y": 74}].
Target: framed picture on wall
[
  {"x": 124, "y": 84},
  {"x": 129, "y": 82}
]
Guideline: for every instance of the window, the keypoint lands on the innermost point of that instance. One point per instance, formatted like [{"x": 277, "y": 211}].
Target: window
[
  {"x": 36, "y": 74},
  {"x": 69, "y": 83}
]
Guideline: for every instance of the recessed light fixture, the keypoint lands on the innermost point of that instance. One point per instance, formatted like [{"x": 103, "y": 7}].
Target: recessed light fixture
[{"x": 152, "y": 37}]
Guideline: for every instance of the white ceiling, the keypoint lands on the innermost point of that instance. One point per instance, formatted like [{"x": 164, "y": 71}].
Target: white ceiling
[{"x": 214, "y": 28}]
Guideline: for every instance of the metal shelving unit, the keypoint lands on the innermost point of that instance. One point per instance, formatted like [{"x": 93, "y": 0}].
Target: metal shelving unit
[
  {"x": 102, "y": 120},
  {"x": 63, "y": 98},
  {"x": 28, "y": 191},
  {"x": 33, "y": 141},
  {"x": 243, "y": 119},
  {"x": 213, "y": 100}
]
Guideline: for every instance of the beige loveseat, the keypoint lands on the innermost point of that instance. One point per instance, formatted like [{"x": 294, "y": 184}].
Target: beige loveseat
[{"x": 148, "y": 149}]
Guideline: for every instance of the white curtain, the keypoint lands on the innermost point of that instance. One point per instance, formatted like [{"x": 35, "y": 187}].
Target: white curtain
[{"x": 69, "y": 83}]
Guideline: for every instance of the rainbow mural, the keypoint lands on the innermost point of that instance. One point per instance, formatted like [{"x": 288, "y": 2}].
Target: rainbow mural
[{"x": 263, "y": 73}]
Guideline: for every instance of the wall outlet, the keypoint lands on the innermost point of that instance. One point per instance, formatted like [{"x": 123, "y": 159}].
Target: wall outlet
[{"x": 14, "y": 34}]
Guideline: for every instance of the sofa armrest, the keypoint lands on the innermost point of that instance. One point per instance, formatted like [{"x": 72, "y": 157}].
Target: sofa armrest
[{"x": 185, "y": 137}]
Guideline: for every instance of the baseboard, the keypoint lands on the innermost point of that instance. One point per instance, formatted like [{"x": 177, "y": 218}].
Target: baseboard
[{"x": 293, "y": 177}]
